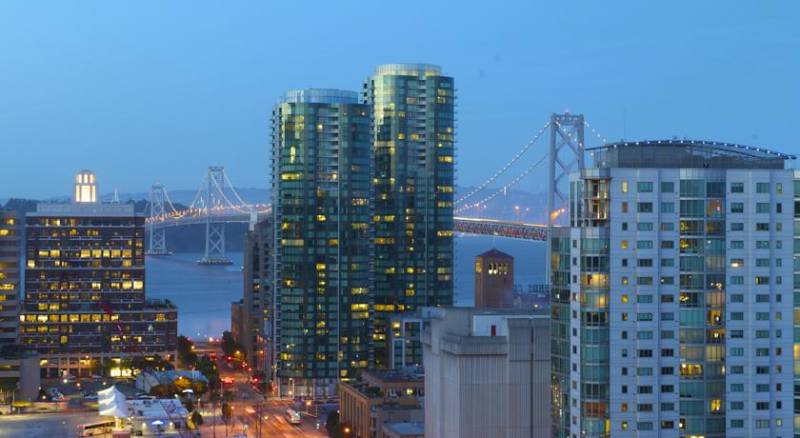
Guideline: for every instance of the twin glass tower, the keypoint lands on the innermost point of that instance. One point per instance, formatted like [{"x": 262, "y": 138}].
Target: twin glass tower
[{"x": 362, "y": 191}]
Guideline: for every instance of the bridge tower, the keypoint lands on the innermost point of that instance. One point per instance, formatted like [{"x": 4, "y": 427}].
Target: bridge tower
[
  {"x": 566, "y": 155},
  {"x": 214, "y": 199},
  {"x": 157, "y": 244}
]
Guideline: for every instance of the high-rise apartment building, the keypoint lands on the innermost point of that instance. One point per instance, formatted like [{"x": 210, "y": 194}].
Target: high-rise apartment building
[
  {"x": 413, "y": 139},
  {"x": 258, "y": 298},
  {"x": 85, "y": 309},
  {"x": 321, "y": 200},
  {"x": 10, "y": 236},
  {"x": 494, "y": 280},
  {"x": 672, "y": 294}
]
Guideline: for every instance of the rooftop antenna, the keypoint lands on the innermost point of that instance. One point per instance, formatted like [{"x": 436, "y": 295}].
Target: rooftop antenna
[{"x": 115, "y": 197}]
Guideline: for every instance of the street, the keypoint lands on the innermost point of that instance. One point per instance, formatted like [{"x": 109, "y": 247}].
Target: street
[{"x": 252, "y": 416}]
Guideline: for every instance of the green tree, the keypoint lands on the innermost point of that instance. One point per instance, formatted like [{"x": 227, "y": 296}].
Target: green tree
[
  {"x": 331, "y": 422},
  {"x": 186, "y": 355},
  {"x": 227, "y": 412}
]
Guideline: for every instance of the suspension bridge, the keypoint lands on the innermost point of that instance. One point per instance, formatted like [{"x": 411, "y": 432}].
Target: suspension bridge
[{"x": 218, "y": 203}]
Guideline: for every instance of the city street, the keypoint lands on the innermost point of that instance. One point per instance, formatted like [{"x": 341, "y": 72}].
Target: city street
[{"x": 254, "y": 417}]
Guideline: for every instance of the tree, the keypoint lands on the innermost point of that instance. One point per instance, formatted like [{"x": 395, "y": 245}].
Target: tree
[
  {"x": 161, "y": 391},
  {"x": 230, "y": 346},
  {"x": 186, "y": 355},
  {"x": 331, "y": 422},
  {"x": 227, "y": 412}
]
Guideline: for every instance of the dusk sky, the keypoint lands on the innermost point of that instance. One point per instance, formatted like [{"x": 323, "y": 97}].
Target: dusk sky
[{"x": 155, "y": 91}]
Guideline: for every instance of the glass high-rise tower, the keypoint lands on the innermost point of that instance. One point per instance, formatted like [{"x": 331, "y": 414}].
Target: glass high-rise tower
[
  {"x": 321, "y": 201},
  {"x": 672, "y": 294},
  {"x": 413, "y": 139}
]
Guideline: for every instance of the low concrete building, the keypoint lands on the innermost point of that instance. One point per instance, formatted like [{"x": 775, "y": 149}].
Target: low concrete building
[
  {"x": 379, "y": 397},
  {"x": 487, "y": 374},
  {"x": 146, "y": 380},
  {"x": 19, "y": 375},
  {"x": 403, "y": 430}
]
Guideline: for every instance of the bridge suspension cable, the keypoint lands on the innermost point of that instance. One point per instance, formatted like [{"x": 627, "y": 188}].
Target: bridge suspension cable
[
  {"x": 599, "y": 136},
  {"x": 508, "y": 165},
  {"x": 503, "y": 189}
]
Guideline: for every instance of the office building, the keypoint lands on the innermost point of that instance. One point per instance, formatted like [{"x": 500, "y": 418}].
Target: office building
[
  {"x": 382, "y": 397},
  {"x": 321, "y": 205},
  {"x": 487, "y": 373},
  {"x": 10, "y": 237},
  {"x": 413, "y": 137},
  {"x": 494, "y": 280},
  {"x": 405, "y": 339},
  {"x": 85, "y": 309},
  {"x": 672, "y": 294},
  {"x": 237, "y": 321},
  {"x": 258, "y": 298}
]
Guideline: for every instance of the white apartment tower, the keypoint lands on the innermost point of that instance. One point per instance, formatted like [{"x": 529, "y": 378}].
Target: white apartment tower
[{"x": 673, "y": 294}]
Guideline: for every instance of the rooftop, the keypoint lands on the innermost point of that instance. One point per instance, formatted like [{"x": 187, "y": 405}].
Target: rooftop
[
  {"x": 403, "y": 375},
  {"x": 321, "y": 95},
  {"x": 685, "y": 153},
  {"x": 495, "y": 253},
  {"x": 84, "y": 210},
  {"x": 405, "y": 429},
  {"x": 408, "y": 70}
]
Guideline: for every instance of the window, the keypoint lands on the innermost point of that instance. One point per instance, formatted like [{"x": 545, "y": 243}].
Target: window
[
  {"x": 737, "y": 226},
  {"x": 762, "y": 226},
  {"x": 624, "y": 187},
  {"x": 644, "y": 389},
  {"x": 624, "y": 207},
  {"x": 668, "y": 207},
  {"x": 644, "y": 263},
  {"x": 737, "y": 280},
  {"x": 737, "y": 207},
  {"x": 644, "y": 425},
  {"x": 762, "y": 207},
  {"x": 644, "y": 299},
  {"x": 737, "y": 244},
  {"x": 644, "y": 281},
  {"x": 644, "y": 226},
  {"x": 667, "y": 262},
  {"x": 644, "y": 207},
  {"x": 667, "y": 186},
  {"x": 737, "y": 187},
  {"x": 737, "y": 316},
  {"x": 762, "y": 187},
  {"x": 667, "y": 244},
  {"x": 762, "y": 244},
  {"x": 737, "y": 423},
  {"x": 644, "y": 186},
  {"x": 667, "y": 226},
  {"x": 644, "y": 244}
]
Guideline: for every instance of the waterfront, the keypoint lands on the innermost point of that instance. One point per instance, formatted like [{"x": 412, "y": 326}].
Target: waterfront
[{"x": 203, "y": 294}]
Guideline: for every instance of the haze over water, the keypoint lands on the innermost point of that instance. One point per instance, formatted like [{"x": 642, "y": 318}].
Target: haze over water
[{"x": 204, "y": 294}]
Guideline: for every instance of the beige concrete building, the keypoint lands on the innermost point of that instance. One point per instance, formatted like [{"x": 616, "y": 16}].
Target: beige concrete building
[
  {"x": 487, "y": 374},
  {"x": 494, "y": 280},
  {"x": 381, "y": 397}
]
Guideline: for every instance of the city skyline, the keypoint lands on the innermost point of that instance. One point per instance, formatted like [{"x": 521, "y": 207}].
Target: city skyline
[{"x": 187, "y": 94}]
